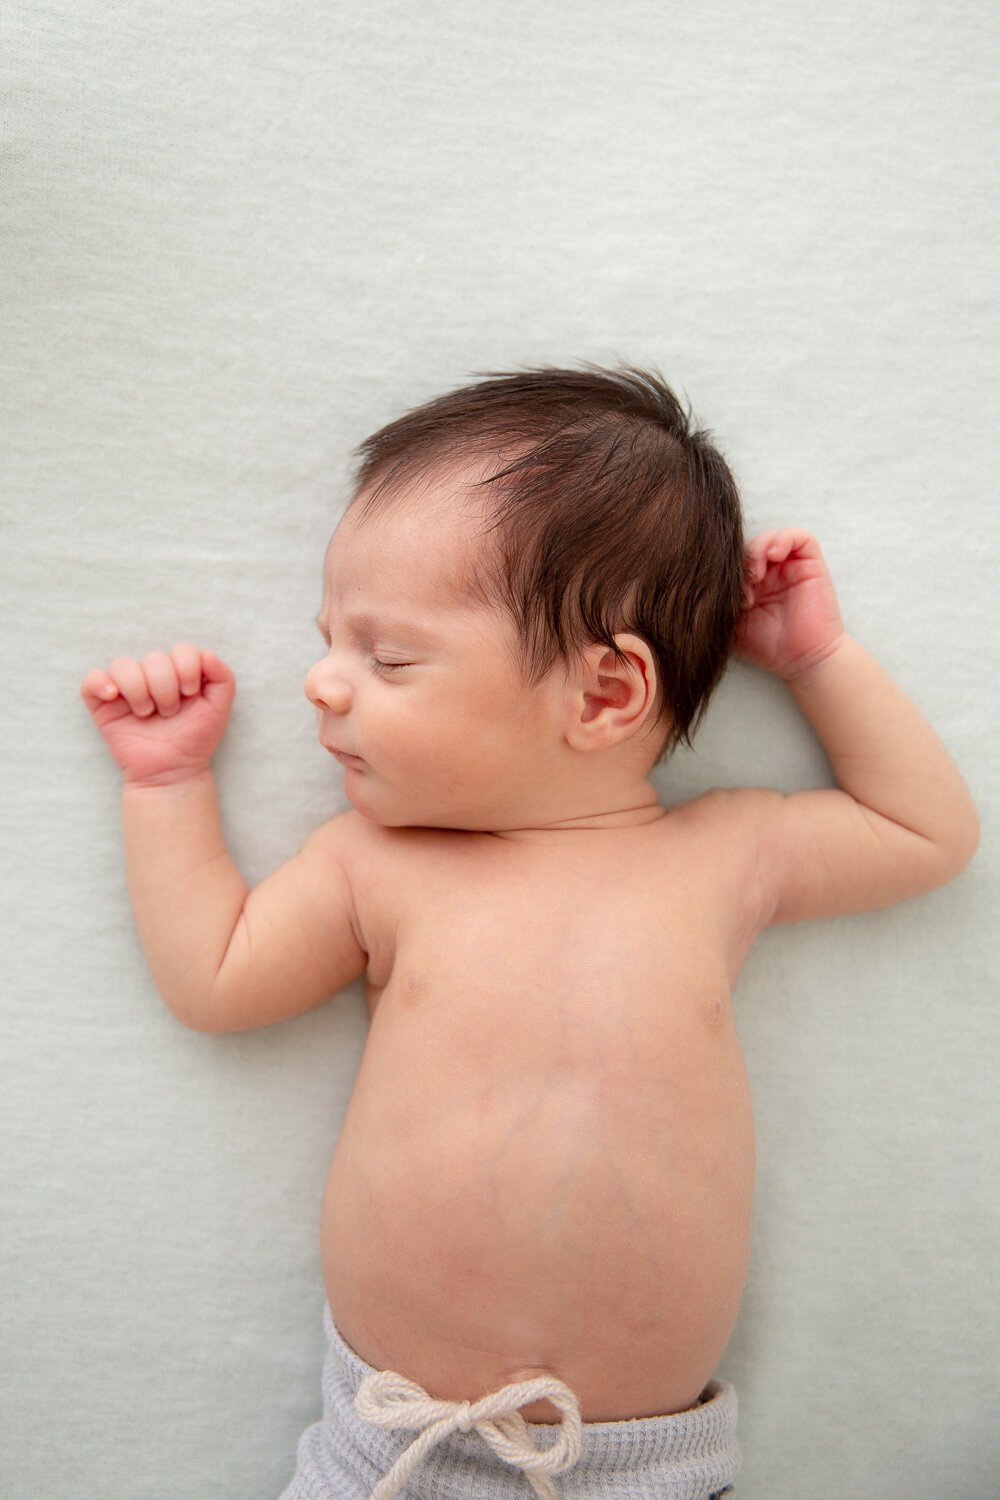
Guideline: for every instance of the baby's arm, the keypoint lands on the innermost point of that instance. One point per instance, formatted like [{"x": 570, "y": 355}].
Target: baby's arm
[
  {"x": 902, "y": 820},
  {"x": 224, "y": 958}
]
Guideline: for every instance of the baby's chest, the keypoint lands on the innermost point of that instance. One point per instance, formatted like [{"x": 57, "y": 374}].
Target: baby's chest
[
  {"x": 513, "y": 1035},
  {"x": 540, "y": 941}
]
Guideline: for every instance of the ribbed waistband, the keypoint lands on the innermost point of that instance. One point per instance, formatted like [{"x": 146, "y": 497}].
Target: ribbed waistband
[{"x": 687, "y": 1456}]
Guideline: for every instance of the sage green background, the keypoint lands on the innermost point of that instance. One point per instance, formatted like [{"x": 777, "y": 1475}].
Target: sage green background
[{"x": 237, "y": 237}]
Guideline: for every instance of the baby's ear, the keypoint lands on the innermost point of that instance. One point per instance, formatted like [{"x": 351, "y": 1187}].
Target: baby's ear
[{"x": 609, "y": 699}]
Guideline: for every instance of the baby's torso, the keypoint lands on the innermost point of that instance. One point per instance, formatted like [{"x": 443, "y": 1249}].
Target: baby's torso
[{"x": 547, "y": 1160}]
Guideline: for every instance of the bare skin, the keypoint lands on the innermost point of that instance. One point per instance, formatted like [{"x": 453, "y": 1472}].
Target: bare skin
[{"x": 547, "y": 1160}]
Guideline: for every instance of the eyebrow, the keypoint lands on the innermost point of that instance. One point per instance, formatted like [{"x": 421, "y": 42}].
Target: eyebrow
[{"x": 372, "y": 626}]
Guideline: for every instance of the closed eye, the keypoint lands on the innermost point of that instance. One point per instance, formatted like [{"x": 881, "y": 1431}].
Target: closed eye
[{"x": 384, "y": 668}]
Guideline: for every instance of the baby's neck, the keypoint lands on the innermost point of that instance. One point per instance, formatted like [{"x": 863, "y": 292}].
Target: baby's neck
[{"x": 647, "y": 810}]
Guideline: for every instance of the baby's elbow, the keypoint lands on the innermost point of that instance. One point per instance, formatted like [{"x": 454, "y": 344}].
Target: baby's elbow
[
  {"x": 193, "y": 1014},
  {"x": 216, "y": 1013},
  {"x": 954, "y": 852},
  {"x": 205, "y": 1007},
  {"x": 203, "y": 1022}
]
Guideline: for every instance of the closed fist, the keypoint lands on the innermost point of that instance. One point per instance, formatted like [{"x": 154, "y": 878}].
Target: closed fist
[
  {"x": 791, "y": 618},
  {"x": 162, "y": 717}
]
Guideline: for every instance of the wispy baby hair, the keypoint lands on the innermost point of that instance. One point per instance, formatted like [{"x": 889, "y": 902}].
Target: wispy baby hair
[{"x": 607, "y": 511}]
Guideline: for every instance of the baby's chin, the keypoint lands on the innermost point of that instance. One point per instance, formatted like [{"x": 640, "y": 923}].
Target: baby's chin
[
  {"x": 374, "y": 810},
  {"x": 420, "y": 818},
  {"x": 452, "y": 825},
  {"x": 377, "y": 804}
]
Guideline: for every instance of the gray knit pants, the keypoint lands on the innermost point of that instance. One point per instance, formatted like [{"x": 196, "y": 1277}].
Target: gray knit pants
[{"x": 691, "y": 1456}]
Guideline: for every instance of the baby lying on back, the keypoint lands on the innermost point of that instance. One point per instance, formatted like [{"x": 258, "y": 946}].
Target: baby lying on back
[{"x": 538, "y": 1210}]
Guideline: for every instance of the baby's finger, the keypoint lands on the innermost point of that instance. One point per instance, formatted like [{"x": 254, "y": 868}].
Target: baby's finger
[
  {"x": 792, "y": 539},
  {"x": 220, "y": 684},
  {"x": 755, "y": 560},
  {"x": 97, "y": 688},
  {"x": 127, "y": 675},
  {"x": 750, "y": 582},
  {"x": 215, "y": 669},
  {"x": 161, "y": 679},
  {"x": 187, "y": 664}
]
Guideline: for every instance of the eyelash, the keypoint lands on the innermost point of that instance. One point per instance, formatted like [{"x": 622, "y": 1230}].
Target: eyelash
[{"x": 376, "y": 667}]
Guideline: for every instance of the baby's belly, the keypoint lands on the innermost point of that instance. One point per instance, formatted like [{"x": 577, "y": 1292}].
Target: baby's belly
[{"x": 497, "y": 1212}]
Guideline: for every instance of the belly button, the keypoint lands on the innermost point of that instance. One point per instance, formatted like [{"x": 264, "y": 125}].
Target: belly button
[
  {"x": 530, "y": 1372},
  {"x": 543, "y": 1410}
]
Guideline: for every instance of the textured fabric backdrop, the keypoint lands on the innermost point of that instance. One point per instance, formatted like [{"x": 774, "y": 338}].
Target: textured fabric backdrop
[{"x": 238, "y": 236}]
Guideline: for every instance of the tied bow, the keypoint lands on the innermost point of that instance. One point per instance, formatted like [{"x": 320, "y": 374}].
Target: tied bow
[{"x": 390, "y": 1400}]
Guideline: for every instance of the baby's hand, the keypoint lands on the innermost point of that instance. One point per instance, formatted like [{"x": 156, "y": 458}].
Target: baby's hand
[
  {"x": 791, "y": 618},
  {"x": 163, "y": 717}
]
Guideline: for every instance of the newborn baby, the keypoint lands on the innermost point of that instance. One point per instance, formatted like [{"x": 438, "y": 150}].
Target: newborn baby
[{"x": 539, "y": 1206}]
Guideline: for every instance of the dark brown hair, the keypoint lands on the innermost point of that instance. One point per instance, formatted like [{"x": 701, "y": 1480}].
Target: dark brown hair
[{"x": 608, "y": 512}]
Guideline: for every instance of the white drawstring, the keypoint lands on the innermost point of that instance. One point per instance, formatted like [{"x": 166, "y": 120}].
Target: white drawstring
[{"x": 390, "y": 1400}]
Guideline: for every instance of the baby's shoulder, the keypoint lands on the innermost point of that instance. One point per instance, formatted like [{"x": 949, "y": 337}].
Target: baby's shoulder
[
  {"x": 368, "y": 851},
  {"x": 349, "y": 837},
  {"x": 721, "y": 812},
  {"x": 715, "y": 839},
  {"x": 389, "y": 873},
  {"x": 719, "y": 835}
]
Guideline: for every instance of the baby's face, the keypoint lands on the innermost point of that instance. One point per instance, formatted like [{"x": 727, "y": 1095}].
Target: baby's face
[{"x": 419, "y": 694}]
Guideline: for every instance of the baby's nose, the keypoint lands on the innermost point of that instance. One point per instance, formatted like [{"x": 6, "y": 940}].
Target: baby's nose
[{"x": 327, "y": 689}]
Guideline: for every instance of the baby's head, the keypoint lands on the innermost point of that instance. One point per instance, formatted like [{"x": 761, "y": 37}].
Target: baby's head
[
  {"x": 603, "y": 512},
  {"x": 537, "y": 565}
]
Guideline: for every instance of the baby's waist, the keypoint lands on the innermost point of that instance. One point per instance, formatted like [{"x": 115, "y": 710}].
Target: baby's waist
[
  {"x": 624, "y": 1286},
  {"x": 611, "y": 1384}
]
